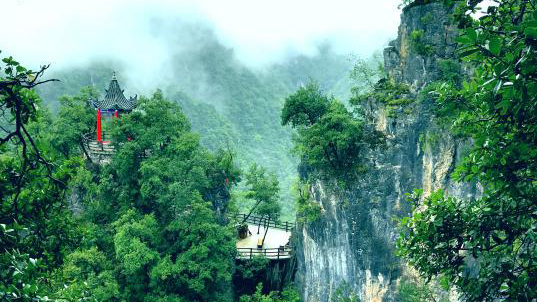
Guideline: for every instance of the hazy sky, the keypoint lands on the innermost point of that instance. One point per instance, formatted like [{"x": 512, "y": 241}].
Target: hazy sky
[{"x": 65, "y": 32}]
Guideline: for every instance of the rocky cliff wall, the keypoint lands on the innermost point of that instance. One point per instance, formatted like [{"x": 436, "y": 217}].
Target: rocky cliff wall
[{"x": 350, "y": 248}]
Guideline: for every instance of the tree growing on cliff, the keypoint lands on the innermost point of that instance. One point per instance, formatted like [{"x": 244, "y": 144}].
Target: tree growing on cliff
[
  {"x": 330, "y": 139},
  {"x": 151, "y": 215},
  {"x": 487, "y": 247}
]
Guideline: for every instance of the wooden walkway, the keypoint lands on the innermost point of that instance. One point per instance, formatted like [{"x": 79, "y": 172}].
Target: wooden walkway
[{"x": 276, "y": 245}]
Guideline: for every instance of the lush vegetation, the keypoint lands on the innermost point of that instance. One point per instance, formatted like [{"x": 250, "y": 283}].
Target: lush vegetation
[
  {"x": 394, "y": 96},
  {"x": 487, "y": 246},
  {"x": 150, "y": 225},
  {"x": 229, "y": 104},
  {"x": 36, "y": 227},
  {"x": 415, "y": 290},
  {"x": 331, "y": 140},
  {"x": 263, "y": 190},
  {"x": 287, "y": 295}
]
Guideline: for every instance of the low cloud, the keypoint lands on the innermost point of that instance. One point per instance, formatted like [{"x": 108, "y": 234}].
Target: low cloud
[{"x": 143, "y": 34}]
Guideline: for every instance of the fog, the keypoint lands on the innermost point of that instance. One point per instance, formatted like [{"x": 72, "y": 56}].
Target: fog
[
  {"x": 236, "y": 58},
  {"x": 144, "y": 34}
]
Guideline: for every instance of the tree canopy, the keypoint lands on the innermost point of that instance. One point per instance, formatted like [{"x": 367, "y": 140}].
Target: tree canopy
[
  {"x": 149, "y": 224},
  {"x": 330, "y": 139},
  {"x": 263, "y": 189},
  {"x": 154, "y": 213},
  {"x": 36, "y": 227},
  {"x": 487, "y": 246}
]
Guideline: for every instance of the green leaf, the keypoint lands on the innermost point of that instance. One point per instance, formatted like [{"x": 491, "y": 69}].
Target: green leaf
[
  {"x": 444, "y": 282},
  {"x": 503, "y": 106},
  {"x": 531, "y": 32},
  {"x": 528, "y": 24},
  {"x": 497, "y": 87},
  {"x": 468, "y": 52},
  {"x": 495, "y": 46},
  {"x": 463, "y": 39},
  {"x": 472, "y": 34}
]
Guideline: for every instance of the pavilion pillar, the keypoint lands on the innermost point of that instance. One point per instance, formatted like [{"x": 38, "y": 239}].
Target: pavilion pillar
[{"x": 99, "y": 128}]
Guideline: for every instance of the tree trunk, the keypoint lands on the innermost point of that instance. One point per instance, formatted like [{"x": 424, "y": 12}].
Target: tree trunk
[
  {"x": 251, "y": 211},
  {"x": 266, "y": 229},
  {"x": 84, "y": 150}
]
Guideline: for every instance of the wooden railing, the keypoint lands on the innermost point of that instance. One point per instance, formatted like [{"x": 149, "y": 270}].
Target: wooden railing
[
  {"x": 253, "y": 219},
  {"x": 283, "y": 252}
]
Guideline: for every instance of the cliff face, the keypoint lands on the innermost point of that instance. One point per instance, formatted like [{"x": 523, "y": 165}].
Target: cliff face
[{"x": 349, "y": 249}]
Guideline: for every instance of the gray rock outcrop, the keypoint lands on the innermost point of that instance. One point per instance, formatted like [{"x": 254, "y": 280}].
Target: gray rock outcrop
[{"x": 350, "y": 248}]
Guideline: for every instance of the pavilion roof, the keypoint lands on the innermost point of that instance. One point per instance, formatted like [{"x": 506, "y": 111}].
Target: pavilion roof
[{"x": 115, "y": 99}]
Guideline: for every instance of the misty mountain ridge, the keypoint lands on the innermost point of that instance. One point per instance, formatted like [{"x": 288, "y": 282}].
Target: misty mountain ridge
[{"x": 228, "y": 103}]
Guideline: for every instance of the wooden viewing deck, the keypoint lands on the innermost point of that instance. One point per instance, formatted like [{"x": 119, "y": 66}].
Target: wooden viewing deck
[
  {"x": 276, "y": 245},
  {"x": 253, "y": 219}
]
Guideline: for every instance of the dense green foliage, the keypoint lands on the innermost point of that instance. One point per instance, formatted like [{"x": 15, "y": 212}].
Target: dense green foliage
[
  {"x": 395, "y": 96},
  {"x": 36, "y": 227},
  {"x": 487, "y": 246},
  {"x": 262, "y": 188},
  {"x": 231, "y": 105},
  {"x": 410, "y": 290},
  {"x": 151, "y": 215},
  {"x": 76, "y": 118},
  {"x": 150, "y": 223},
  {"x": 330, "y": 139},
  {"x": 287, "y": 295},
  {"x": 148, "y": 226}
]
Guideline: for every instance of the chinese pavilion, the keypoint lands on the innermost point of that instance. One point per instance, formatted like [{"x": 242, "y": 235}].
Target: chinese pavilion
[{"x": 112, "y": 106}]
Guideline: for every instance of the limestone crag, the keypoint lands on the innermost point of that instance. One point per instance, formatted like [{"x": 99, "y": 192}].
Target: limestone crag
[
  {"x": 403, "y": 62},
  {"x": 350, "y": 248}
]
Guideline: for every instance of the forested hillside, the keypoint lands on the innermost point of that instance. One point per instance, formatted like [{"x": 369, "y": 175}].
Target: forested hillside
[
  {"x": 409, "y": 176},
  {"x": 228, "y": 103}
]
